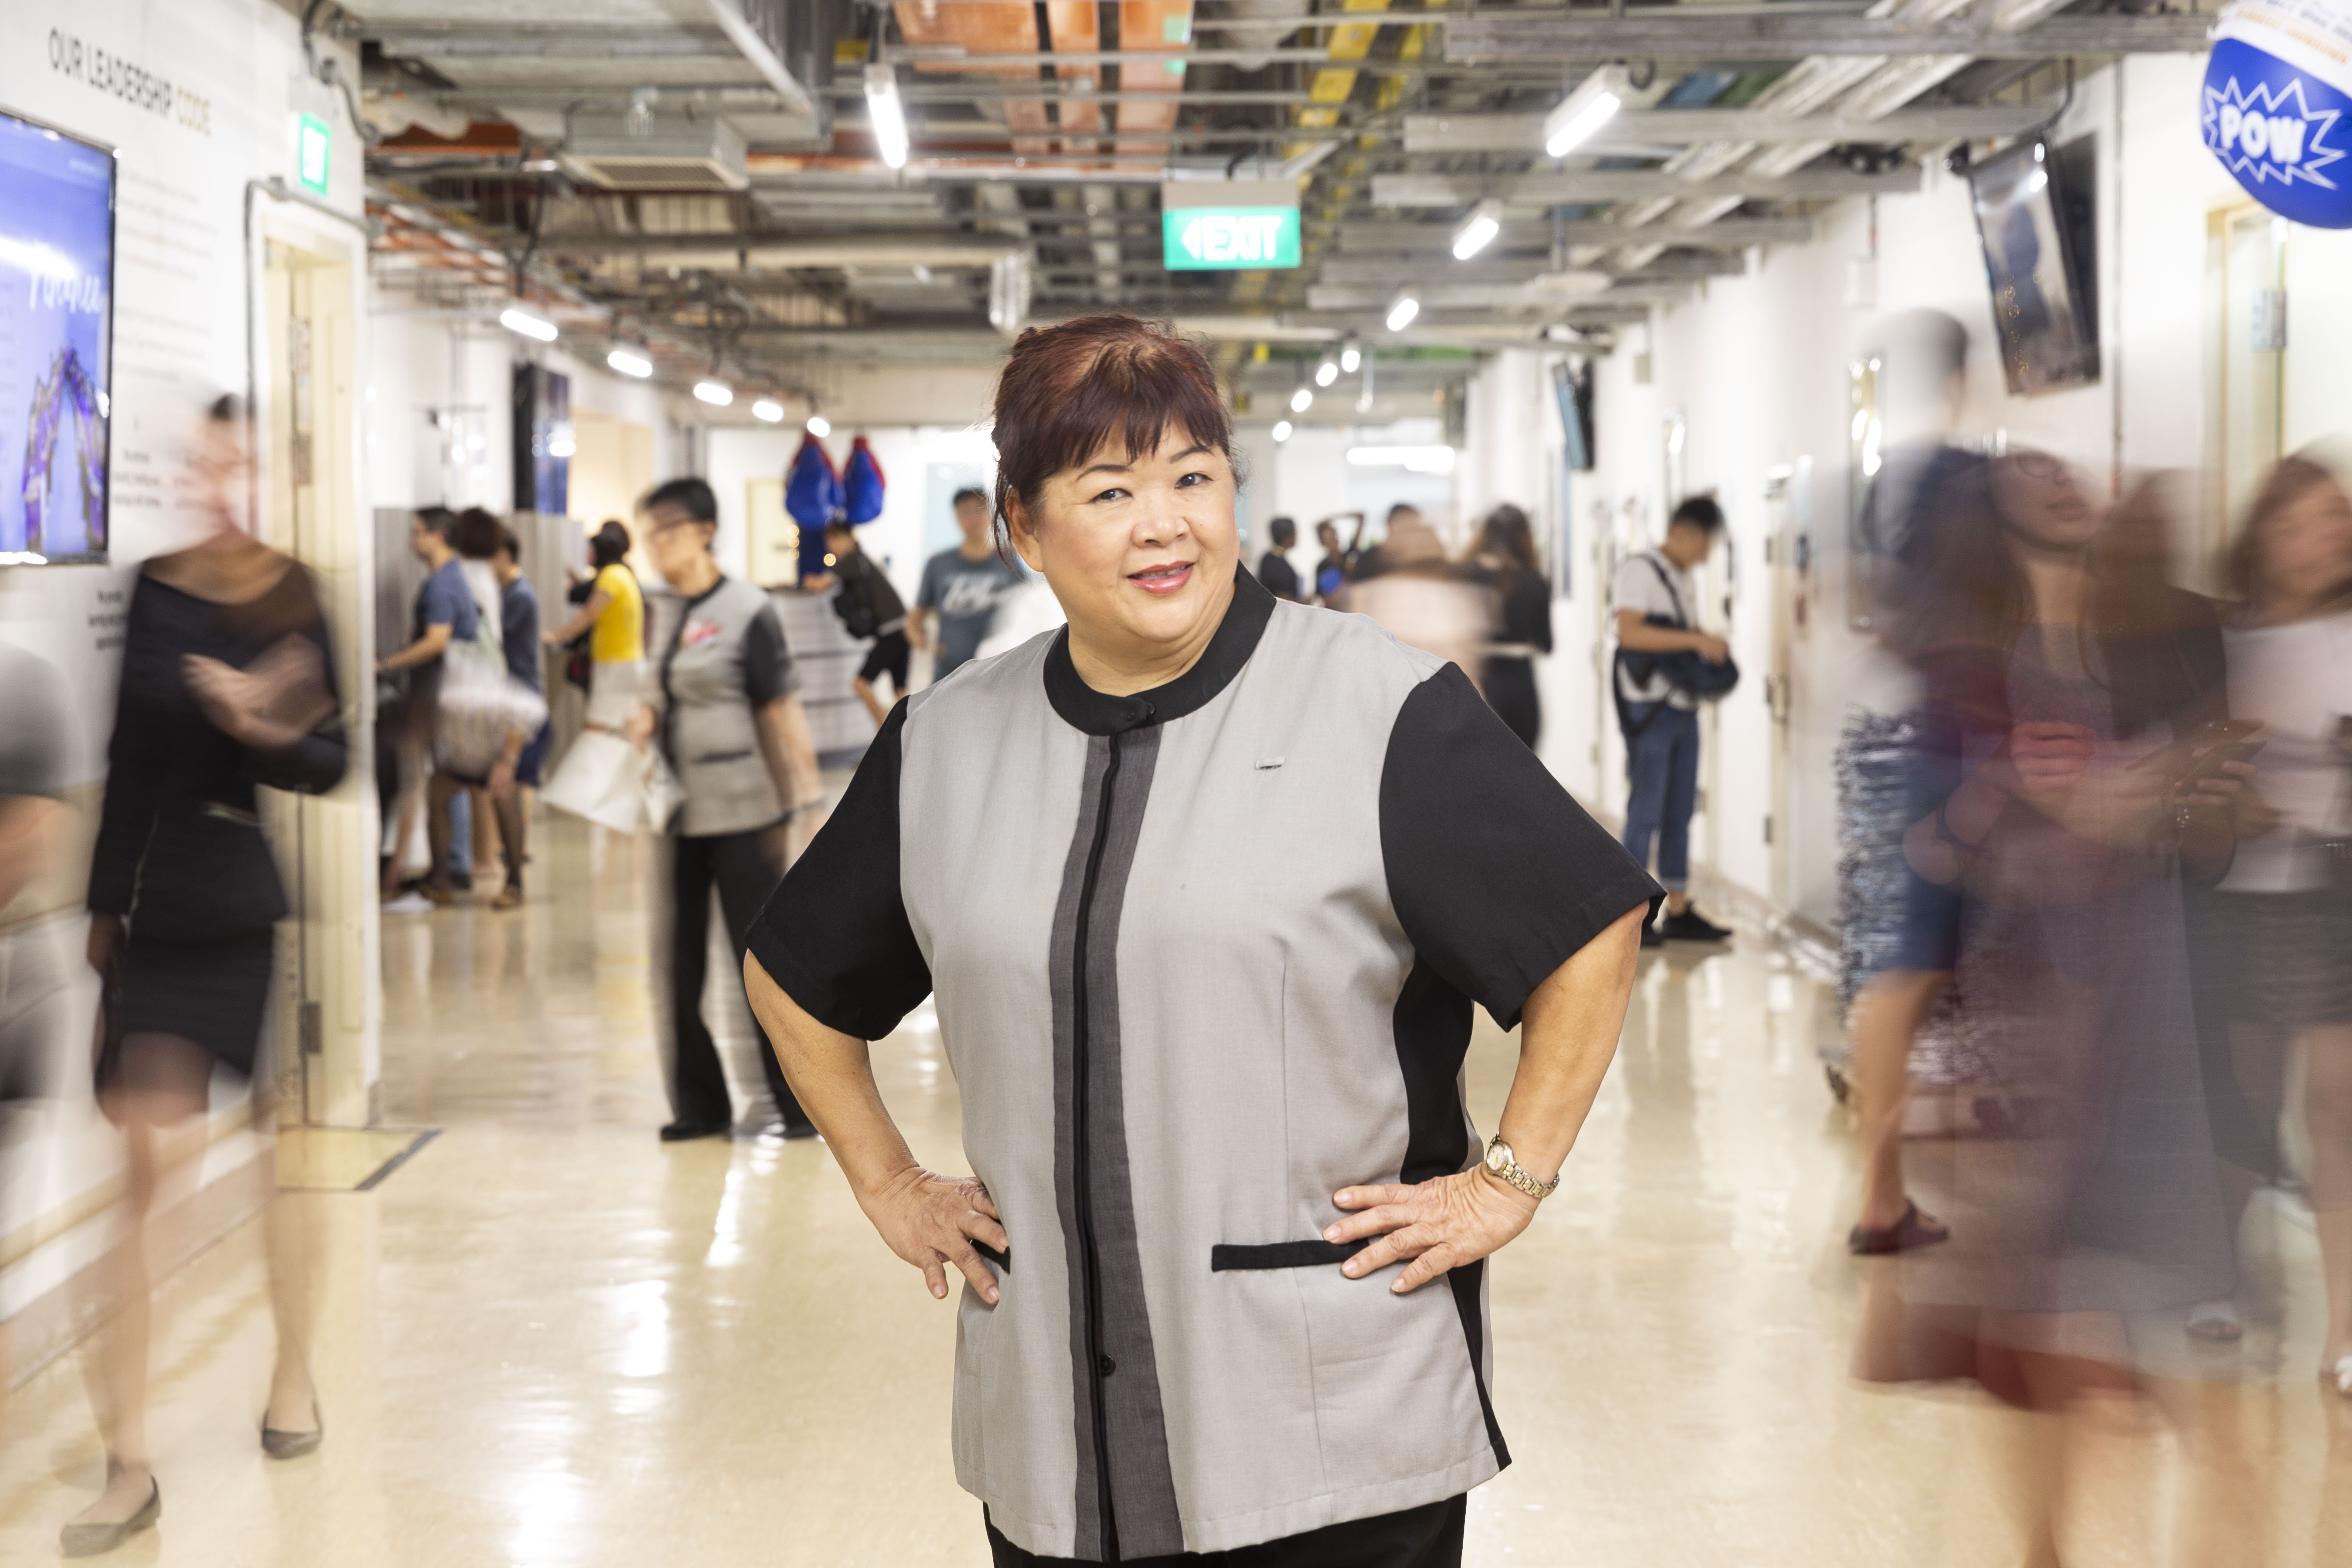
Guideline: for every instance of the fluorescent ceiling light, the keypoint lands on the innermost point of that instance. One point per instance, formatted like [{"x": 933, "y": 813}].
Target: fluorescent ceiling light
[
  {"x": 1478, "y": 231},
  {"x": 888, "y": 113},
  {"x": 1281, "y": 430},
  {"x": 1401, "y": 313},
  {"x": 819, "y": 426},
  {"x": 714, "y": 392},
  {"x": 1413, "y": 460},
  {"x": 1351, "y": 354},
  {"x": 529, "y": 325},
  {"x": 1325, "y": 373},
  {"x": 629, "y": 364},
  {"x": 768, "y": 411},
  {"x": 1301, "y": 400},
  {"x": 1575, "y": 117}
]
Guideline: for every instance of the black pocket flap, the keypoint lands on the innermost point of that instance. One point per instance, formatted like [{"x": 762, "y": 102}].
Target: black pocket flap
[{"x": 1283, "y": 1255}]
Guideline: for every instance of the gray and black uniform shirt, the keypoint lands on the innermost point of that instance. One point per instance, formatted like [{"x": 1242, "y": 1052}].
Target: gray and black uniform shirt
[
  {"x": 1202, "y": 955},
  {"x": 723, "y": 657}
]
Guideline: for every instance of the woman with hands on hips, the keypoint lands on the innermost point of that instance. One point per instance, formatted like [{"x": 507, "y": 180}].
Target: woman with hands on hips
[{"x": 1204, "y": 886}]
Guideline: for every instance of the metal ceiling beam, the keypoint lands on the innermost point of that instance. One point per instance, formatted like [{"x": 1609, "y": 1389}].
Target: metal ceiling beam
[
  {"x": 1688, "y": 31},
  {"x": 1440, "y": 271},
  {"x": 1633, "y": 184},
  {"x": 1731, "y": 233},
  {"x": 1494, "y": 297},
  {"x": 1636, "y": 127},
  {"x": 753, "y": 47},
  {"x": 781, "y": 250},
  {"x": 956, "y": 54}
]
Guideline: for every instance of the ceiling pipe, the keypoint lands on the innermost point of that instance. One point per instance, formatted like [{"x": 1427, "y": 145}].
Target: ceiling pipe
[{"x": 754, "y": 48}]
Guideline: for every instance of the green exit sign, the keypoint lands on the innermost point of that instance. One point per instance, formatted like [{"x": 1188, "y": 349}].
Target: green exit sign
[
  {"x": 313, "y": 147},
  {"x": 1228, "y": 225}
]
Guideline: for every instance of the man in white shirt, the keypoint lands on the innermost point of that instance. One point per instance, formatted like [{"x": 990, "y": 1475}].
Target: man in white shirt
[{"x": 1656, "y": 604}]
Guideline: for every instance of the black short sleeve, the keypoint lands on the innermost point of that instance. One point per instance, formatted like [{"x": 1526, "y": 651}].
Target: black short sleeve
[
  {"x": 768, "y": 663},
  {"x": 1496, "y": 874},
  {"x": 834, "y": 935}
]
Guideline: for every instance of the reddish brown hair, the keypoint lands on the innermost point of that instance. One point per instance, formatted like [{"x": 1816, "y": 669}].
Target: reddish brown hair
[{"x": 1070, "y": 390}]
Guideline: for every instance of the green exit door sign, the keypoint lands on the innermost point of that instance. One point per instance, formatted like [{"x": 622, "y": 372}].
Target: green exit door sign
[
  {"x": 313, "y": 147},
  {"x": 1226, "y": 225}
]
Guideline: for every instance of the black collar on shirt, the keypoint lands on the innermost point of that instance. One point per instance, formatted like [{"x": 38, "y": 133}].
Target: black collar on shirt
[{"x": 1098, "y": 714}]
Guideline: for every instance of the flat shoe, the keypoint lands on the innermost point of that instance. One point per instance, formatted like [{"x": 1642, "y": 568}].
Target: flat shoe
[
  {"x": 91, "y": 1539},
  {"x": 685, "y": 1132},
  {"x": 1913, "y": 1230},
  {"x": 280, "y": 1444}
]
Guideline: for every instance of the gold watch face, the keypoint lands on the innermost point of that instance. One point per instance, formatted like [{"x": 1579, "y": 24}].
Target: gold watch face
[{"x": 1498, "y": 1156}]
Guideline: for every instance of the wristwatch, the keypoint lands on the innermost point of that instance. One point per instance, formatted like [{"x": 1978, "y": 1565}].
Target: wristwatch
[{"x": 1506, "y": 1164}]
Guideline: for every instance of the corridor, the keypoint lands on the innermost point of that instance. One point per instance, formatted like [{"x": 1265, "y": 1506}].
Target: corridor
[{"x": 547, "y": 1338}]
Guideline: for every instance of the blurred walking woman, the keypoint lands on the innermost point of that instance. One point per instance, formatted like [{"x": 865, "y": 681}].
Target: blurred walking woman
[
  {"x": 1505, "y": 554},
  {"x": 615, "y": 616},
  {"x": 1212, "y": 1085},
  {"x": 227, "y": 684},
  {"x": 2291, "y": 668}
]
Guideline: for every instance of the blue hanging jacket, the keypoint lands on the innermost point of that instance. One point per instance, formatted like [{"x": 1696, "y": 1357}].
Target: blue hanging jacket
[
  {"x": 812, "y": 487},
  {"x": 862, "y": 484}
]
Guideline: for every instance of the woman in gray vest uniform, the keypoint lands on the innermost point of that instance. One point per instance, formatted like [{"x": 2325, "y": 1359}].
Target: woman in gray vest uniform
[
  {"x": 1206, "y": 885},
  {"x": 732, "y": 727}
]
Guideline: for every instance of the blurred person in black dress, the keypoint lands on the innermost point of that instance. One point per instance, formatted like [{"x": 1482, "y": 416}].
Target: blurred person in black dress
[
  {"x": 1503, "y": 557},
  {"x": 228, "y": 684}
]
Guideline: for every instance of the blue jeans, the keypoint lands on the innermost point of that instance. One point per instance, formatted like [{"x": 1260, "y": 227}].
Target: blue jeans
[{"x": 1662, "y": 765}]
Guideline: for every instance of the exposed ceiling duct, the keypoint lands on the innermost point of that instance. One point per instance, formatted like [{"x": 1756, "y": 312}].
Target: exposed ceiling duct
[{"x": 633, "y": 151}]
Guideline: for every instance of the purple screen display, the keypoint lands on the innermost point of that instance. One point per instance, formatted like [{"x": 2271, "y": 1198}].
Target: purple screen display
[{"x": 56, "y": 307}]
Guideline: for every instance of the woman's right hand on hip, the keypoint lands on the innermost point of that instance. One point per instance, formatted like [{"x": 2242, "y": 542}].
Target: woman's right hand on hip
[
  {"x": 105, "y": 943},
  {"x": 931, "y": 1221}
]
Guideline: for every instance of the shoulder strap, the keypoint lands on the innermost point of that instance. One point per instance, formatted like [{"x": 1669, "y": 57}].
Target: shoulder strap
[{"x": 1681, "y": 619}]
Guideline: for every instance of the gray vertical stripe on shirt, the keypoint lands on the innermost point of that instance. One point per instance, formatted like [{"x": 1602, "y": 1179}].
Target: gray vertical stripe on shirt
[{"x": 1142, "y": 1490}]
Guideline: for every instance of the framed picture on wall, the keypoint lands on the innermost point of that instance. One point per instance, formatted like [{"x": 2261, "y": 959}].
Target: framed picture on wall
[{"x": 2036, "y": 235}]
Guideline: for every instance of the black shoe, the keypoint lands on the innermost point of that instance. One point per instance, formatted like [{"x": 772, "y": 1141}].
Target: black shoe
[
  {"x": 1650, "y": 937},
  {"x": 280, "y": 1444},
  {"x": 96, "y": 1539},
  {"x": 1691, "y": 926},
  {"x": 686, "y": 1131}
]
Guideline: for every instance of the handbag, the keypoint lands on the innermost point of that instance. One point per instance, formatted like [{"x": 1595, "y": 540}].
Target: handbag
[
  {"x": 480, "y": 706},
  {"x": 615, "y": 785},
  {"x": 1685, "y": 669}
]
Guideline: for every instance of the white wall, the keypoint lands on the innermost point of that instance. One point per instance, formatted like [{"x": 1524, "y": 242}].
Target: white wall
[
  {"x": 1757, "y": 368},
  {"x": 220, "y": 85}
]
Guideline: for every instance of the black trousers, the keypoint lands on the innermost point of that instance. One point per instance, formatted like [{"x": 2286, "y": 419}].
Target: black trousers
[
  {"x": 740, "y": 870},
  {"x": 1425, "y": 1537}
]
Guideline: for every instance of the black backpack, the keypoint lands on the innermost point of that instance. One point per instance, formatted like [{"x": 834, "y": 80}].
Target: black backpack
[
  {"x": 856, "y": 614},
  {"x": 1685, "y": 669}
]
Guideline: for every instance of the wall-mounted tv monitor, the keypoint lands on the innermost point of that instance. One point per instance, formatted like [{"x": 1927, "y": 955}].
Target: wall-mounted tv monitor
[
  {"x": 2044, "y": 319},
  {"x": 56, "y": 337}
]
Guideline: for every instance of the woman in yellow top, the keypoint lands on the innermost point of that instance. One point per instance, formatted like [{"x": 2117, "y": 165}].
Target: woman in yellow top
[{"x": 617, "y": 652}]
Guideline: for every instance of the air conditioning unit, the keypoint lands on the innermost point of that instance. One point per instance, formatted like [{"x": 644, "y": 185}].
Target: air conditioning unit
[{"x": 655, "y": 152}]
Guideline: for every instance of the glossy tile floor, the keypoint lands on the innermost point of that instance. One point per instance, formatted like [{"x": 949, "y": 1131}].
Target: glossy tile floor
[{"x": 548, "y": 1340}]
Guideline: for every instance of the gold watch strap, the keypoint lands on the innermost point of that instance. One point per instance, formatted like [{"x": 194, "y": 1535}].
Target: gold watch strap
[{"x": 1516, "y": 1173}]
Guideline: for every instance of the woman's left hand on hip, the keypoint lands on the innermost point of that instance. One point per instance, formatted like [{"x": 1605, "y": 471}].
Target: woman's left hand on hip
[{"x": 1440, "y": 1224}]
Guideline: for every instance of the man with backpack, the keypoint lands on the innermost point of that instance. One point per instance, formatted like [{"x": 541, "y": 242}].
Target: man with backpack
[
  {"x": 1664, "y": 665},
  {"x": 868, "y": 607}
]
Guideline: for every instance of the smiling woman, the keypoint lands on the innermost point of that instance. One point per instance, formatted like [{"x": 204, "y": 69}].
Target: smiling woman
[{"x": 1206, "y": 885}]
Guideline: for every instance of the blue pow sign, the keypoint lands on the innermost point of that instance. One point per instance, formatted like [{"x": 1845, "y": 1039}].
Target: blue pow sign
[{"x": 2277, "y": 106}]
